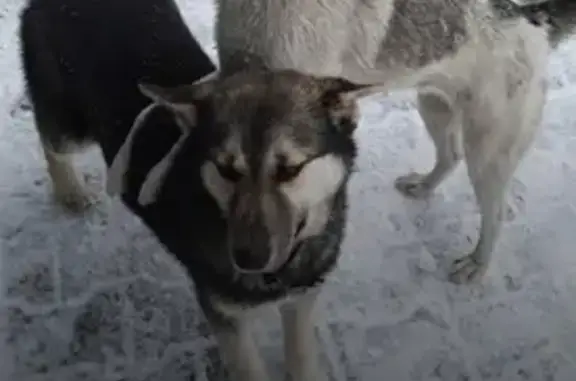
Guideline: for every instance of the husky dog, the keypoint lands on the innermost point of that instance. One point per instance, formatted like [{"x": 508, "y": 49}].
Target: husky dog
[
  {"x": 253, "y": 224},
  {"x": 479, "y": 67},
  {"x": 223, "y": 171}
]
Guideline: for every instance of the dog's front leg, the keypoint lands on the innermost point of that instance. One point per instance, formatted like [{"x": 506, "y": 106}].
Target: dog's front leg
[
  {"x": 239, "y": 351},
  {"x": 300, "y": 342},
  {"x": 237, "y": 348}
]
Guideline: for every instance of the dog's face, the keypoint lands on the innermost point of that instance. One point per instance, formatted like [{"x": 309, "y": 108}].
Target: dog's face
[{"x": 281, "y": 147}]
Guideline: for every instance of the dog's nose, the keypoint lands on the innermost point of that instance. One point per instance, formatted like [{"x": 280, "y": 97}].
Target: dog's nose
[{"x": 246, "y": 260}]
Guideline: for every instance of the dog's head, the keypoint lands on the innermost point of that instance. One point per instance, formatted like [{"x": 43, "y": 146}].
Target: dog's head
[{"x": 280, "y": 149}]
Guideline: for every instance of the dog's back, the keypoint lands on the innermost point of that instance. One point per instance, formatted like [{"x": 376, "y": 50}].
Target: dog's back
[{"x": 82, "y": 61}]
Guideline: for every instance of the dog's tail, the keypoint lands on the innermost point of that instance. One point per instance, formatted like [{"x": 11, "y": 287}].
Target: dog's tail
[{"x": 558, "y": 15}]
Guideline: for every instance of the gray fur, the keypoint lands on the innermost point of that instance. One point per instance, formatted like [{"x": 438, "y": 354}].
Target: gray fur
[
  {"x": 424, "y": 31},
  {"x": 478, "y": 66},
  {"x": 559, "y": 15},
  {"x": 272, "y": 136},
  {"x": 265, "y": 121}
]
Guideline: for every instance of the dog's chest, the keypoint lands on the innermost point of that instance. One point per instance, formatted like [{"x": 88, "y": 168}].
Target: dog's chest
[{"x": 234, "y": 310}]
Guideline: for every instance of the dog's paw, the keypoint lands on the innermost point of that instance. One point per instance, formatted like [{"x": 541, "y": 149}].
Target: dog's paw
[
  {"x": 77, "y": 200},
  {"x": 413, "y": 185},
  {"x": 467, "y": 270}
]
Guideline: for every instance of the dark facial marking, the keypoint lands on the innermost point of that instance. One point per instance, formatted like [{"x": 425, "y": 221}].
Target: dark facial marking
[
  {"x": 286, "y": 171},
  {"x": 228, "y": 172}
]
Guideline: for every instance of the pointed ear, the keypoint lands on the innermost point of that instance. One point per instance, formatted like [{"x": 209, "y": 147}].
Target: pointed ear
[
  {"x": 339, "y": 85},
  {"x": 181, "y": 100},
  {"x": 340, "y": 103}
]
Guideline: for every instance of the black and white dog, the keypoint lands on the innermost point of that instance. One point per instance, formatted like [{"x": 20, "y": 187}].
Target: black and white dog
[{"x": 224, "y": 171}]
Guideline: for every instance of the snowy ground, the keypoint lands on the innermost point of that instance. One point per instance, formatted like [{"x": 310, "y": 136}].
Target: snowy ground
[{"x": 96, "y": 298}]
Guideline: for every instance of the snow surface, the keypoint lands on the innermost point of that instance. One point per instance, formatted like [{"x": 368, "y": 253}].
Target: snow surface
[{"x": 96, "y": 298}]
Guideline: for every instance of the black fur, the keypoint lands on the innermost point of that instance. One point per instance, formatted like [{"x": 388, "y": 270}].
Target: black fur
[
  {"x": 82, "y": 61},
  {"x": 189, "y": 223},
  {"x": 558, "y": 15}
]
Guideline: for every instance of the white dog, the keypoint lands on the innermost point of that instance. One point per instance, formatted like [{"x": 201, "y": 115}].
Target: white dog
[{"x": 479, "y": 67}]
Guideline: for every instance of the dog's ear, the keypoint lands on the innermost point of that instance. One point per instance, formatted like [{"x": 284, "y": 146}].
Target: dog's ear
[
  {"x": 337, "y": 85},
  {"x": 339, "y": 101},
  {"x": 181, "y": 100}
]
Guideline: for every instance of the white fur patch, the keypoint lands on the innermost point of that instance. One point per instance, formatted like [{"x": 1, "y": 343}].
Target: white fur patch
[
  {"x": 219, "y": 188},
  {"x": 119, "y": 166},
  {"x": 318, "y": 181}
]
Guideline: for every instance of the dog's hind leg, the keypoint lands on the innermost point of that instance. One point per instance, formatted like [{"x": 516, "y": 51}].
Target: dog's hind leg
[
  {"x": 62, "y": 134},
  {"x": 497, "y": 133},
  {"x": 300, "y": 343},
  {"x": 443, "y": 123},
  {"x": 59, "y": 123},
  {"x": 69, "y": 189}
]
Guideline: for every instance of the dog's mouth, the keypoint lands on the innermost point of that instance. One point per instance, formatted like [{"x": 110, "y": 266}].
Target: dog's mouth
[
  {"x": 296, "y": 248},
  {"x": 277, "y": 263}
]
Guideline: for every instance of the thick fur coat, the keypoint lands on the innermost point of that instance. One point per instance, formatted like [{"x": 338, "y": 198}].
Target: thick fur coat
[
  {"x": 234, "y": 155},
  {"x": 479, "y": 68}
]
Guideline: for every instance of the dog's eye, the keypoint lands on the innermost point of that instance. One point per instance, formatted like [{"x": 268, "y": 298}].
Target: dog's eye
[
  {"x": 286, "y": 173},
  {"x": 229, "y": 173}
]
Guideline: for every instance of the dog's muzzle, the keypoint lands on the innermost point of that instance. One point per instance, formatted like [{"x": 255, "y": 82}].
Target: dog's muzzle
[{"x": 252, "y": 260}]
